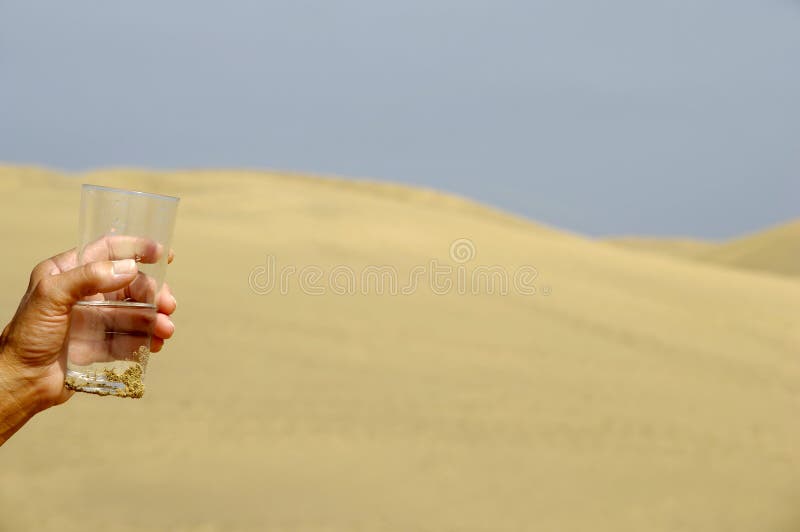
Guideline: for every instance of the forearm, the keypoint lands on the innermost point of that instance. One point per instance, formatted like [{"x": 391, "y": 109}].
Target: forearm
[{"x": 18, "y": 400}]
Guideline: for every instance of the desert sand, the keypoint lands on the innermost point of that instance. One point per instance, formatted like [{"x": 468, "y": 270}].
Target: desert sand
[
  {"x": 774, "y": 250},
  {"x": 633, "y": 391}
]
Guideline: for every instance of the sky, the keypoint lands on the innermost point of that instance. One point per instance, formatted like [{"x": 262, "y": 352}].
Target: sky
[{"x": 671, "y": 117}]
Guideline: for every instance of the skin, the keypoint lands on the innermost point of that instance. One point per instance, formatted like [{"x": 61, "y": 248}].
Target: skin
[{"x": 32, "y": 345}]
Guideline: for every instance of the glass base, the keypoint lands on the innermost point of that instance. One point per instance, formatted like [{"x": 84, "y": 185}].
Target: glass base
[{"x": 104, "y": 384}]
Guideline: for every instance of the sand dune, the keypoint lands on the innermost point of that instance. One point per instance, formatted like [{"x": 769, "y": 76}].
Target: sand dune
[
  {"x": 775, "y": 250},
  {"x": 677, "y": 247},
  {"x": 632, "y": 391}
]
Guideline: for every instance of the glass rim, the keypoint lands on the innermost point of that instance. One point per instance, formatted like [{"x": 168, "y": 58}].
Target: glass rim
[{"x": 87, "y": 186}]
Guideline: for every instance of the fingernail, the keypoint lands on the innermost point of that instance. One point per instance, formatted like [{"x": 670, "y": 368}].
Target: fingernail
[
  {"x": 174, "y": 301},
  {"x": 123, "y": 267}
]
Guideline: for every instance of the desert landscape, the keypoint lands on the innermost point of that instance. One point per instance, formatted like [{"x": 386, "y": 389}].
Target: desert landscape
[{"x": 645, "y": 384}]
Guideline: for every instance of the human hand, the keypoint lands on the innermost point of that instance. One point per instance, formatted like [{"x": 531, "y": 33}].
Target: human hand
[{"x": 32, "y": 346}]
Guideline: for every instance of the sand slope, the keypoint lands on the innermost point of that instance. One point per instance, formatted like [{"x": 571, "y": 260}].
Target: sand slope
[
  {"x": 677, "y": 247},
  {"x": 642, "y": 392},
  {"x": 775, "y": 250}
]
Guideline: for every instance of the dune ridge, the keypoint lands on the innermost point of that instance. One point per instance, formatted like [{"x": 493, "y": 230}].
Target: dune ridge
[{"x": 775, "y": 250}]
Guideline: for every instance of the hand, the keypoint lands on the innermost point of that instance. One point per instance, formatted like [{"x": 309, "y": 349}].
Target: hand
[{"x": 32, "y": 346}]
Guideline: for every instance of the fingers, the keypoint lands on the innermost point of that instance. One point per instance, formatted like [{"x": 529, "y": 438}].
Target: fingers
[
  {"x": 164, "y": 328},
  {"x": 115, "y": 247},
  {"x": 54, "y": 265},
  {"x": 56, "y": 294},
  {"x": 165, "y": 301},
  {"x": 86, "y": 349},
  {"x": 142, "y": 289},
  {"x": 156, "y": 344},
  {"x": 127, "y": 321},
  {"x": 103, "y": 334},
  {"x": 107, "y": 248}
]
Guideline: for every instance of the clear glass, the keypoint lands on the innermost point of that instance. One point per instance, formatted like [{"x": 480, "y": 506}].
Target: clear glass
[{"x": 109, "y": 340}]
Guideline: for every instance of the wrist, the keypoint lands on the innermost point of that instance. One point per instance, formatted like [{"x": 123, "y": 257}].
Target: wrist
[{"x": 19, "y": 398}]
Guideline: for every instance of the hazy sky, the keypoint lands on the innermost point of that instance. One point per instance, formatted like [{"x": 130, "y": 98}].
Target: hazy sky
[{"x": 605, "y": 117}]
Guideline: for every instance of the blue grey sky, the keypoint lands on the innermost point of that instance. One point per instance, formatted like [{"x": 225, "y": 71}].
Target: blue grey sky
[{"x": 671, "y": 117}]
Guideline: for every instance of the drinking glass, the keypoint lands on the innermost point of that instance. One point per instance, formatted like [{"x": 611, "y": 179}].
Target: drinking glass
[{"x": 109, "y": 339}]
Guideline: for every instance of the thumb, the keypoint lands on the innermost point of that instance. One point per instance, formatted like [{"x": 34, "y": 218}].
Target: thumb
[{"x": 57, "y": 294}]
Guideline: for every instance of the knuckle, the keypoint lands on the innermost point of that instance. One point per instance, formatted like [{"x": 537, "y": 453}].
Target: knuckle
[
  {"x": 40, "y": 271},
  {"x": 91, "y": 271},
  {"x": 44, "y": 288},
  {"x": 45, "y": 294}
]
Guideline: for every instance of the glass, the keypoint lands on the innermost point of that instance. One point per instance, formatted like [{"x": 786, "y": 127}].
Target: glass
[{"x": 109, "y": 339}]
